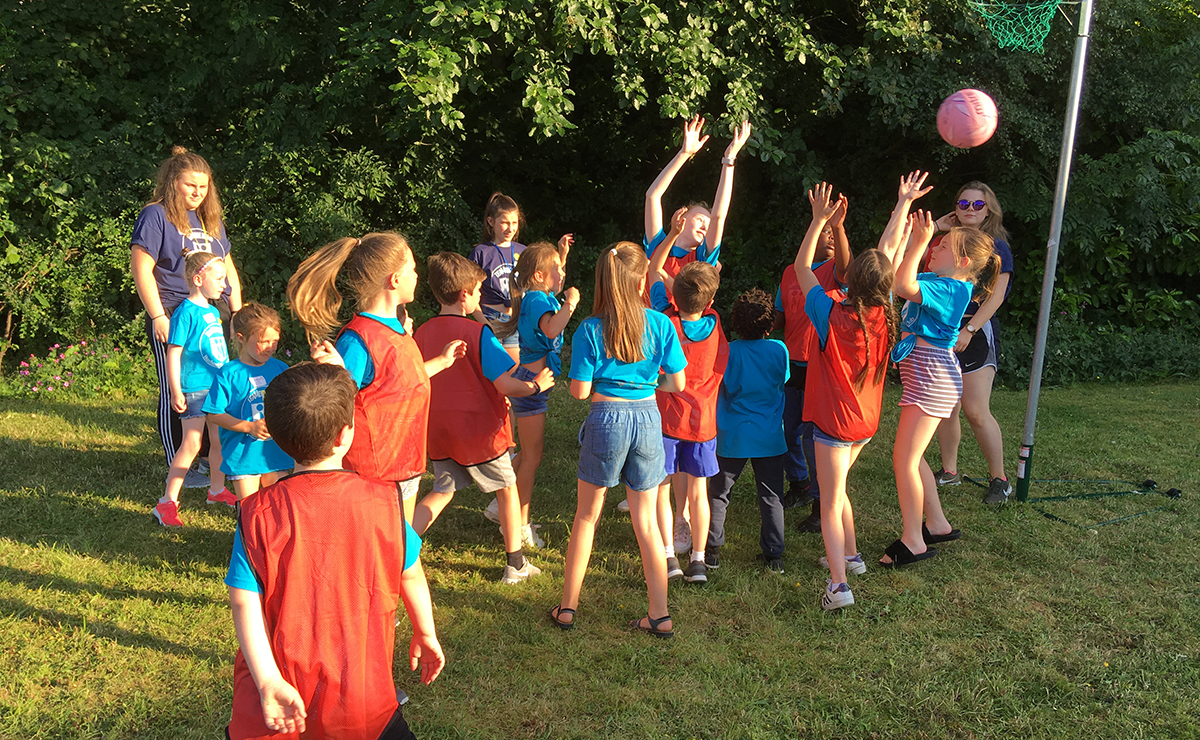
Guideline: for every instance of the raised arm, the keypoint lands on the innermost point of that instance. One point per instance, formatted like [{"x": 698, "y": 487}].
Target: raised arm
[
  {"x": 692, "y": 143},
  {"x": 716, "y": 222},
  {"x": 906, "y": 285},
  {"x": 891, "y": 242},
  {"x": 658, "y": 272},
  {"x": 553, "y": 324},
  {"x": 841, "y": 243},
  {"x": 822, "y": 211}
]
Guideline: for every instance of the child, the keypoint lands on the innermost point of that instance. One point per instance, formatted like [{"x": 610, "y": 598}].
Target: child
[
  {"x": 929, "y": 372},
  {"x": 689, "y": 416},
  {"x": 621, "y": 349},
  {"x": 847, "y": 361},
  {"x": 497, "y": 254},
  {"x": 750, "y": 426},
  {"x": 392, "y": 407},
  {"x": 469, "y": 430},
  {"x": 320, "y": 562},
  {"x": 196, "y": 350},
  {"x": 540, "y": 322},
  {"x": 251, "y": 459}
]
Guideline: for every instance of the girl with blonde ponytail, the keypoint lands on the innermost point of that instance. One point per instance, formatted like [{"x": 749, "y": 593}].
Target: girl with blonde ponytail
[{"x": 618, "y": 352}]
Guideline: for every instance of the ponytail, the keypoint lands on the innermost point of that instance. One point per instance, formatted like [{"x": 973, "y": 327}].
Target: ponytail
[
  {"x": 536, "y": 258},
  {"x": 990, "y": 273},
  {"x": 869, "y": 285},
  {"x": 618, "y": 301},
  {"x": 980, "y": 249}
]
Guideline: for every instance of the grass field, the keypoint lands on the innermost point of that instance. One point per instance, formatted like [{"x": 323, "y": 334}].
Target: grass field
[{"x": 113, "y": 627}]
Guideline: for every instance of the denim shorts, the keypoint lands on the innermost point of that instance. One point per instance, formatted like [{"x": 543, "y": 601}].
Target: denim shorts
[
  {"x": 697, "y": 459},
  {"x": 828, "y": 441},
  {"x": 495, "y": 317},
  {"x": 195, "y": 405},
  {"x": 621, "y": 442},
  {"x": 528, "y": 405}
]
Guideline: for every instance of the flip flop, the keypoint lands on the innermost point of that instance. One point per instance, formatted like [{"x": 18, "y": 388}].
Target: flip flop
[
  {"x": 557, "y": 612},
  {"x": 653, "y": 628},
  {"x": 933, "y": 539},
  {"x": 901, "y": 555}
]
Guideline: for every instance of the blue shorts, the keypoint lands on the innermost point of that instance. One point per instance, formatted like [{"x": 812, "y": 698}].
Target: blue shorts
[
  {"x": 528, "y": 405},
  {"x": 494, "y": 317},
  {"x": 195, "y": 405},
  {"x": 828, "y": 441},
  {"x": 621, "y": 442},
  {"x": 697, "y": 459}
]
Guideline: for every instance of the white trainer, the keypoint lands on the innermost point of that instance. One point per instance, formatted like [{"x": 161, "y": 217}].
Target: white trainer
[
  {"x": 492, "y": 512},
  {"x": 513, "y": 576},
  {"x": 831, "y": 600},
  {"x": 623, "y": 507},
  {"x": 855, "y": 565}
]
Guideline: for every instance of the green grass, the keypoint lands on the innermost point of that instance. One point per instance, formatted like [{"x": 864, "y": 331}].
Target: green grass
[{"x": 113, "y": 627}]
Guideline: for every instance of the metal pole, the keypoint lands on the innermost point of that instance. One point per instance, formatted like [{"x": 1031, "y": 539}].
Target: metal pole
[{"x": 1025, "y": 459}]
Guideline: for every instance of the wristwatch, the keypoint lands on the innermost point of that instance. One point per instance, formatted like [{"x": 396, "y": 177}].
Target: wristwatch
[
  {"x": 728, "y": 161},
  {"x": 971, "y": 328}
]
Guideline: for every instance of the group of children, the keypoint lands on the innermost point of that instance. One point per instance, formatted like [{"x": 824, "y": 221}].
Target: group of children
[{"x": 674, "y": 404}]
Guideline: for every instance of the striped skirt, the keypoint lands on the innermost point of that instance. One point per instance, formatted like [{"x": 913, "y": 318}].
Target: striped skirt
[{"x": 932, "y": 380}]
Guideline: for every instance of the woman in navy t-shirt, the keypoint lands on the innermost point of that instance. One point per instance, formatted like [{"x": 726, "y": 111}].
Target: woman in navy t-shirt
[{"x": 185, "y": 214}]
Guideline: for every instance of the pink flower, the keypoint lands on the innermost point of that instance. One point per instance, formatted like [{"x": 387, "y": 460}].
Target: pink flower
[
  {"x": 66, "y": 384},
  {"x": 83, "y": 343},
  {"x": 55, "y": 346},
  {"x": 24, "y": 364},
  {"x": 58, "y": 377}
]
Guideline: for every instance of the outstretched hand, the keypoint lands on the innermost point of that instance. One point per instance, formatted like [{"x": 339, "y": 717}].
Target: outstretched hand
[
  {"x": 564, "y": 246},
  {"x": 911, "y": 185},
  {"x": 838, "y": 219},
  {"x": 323, "y": 352},
  {"x": 678, "y": 221},
  {"x": 741, "y": 135},
  {"x": 453, "y": 350},
  {"x": 921, "y": 226},
  {"x": 693, "y": 142},
  {"x": 818, "y": 197}
]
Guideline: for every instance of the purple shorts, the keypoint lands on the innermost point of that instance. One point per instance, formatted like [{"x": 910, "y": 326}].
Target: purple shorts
[{"x": 697, "y": 459}]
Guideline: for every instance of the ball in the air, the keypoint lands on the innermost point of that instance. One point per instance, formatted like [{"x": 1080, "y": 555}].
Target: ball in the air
[{"x": 967, "y": 118}]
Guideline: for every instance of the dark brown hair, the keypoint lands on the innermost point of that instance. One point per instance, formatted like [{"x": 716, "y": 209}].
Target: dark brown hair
[
  {"x": 253, "y": 318},
  {"x": 306, "y": 407},
  {"x": 497, "y": 204},
  {"x": 174, "y": 167},
  {"x": 753, "y": 314},
  {"x": 451, "y": 273},
  {"x": 618, "y": 300},
  {"x": 695, "y": 286},
  {"x": 869, "y": 284}
]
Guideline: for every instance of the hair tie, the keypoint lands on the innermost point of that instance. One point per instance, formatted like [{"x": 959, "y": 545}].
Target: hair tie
[
  {"x": 208, "y": 264},
  {"x": 357, "y": 243},
  {"x": 614, "y": 251}
]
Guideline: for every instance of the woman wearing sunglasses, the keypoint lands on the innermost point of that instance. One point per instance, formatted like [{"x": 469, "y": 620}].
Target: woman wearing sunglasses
[{"x": 978, "y": 348}]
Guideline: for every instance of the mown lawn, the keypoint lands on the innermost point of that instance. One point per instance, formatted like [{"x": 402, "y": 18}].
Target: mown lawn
[{"x": 113, "y": 627}]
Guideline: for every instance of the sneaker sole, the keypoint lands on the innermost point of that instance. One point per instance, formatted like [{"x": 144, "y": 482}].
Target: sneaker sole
[
  {"x": 160, "y": 520},
  {"x": 674, "y": 576},
  {"x": 950, "y": 482},
  {"x": 695, "y": 579},
  {"x": 829, "y": 604}
]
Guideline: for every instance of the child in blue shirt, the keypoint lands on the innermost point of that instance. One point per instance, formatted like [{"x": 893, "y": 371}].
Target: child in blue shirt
[
  {"x": 750, "y": 426},
  {"x": 250, "y": 458},
  {"x": 195, "y": 352}
]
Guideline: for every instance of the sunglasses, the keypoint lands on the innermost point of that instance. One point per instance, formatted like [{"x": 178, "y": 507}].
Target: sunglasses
[{"x": 978, "y": 205}]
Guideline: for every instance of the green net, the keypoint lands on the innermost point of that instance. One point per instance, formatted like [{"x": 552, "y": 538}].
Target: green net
[{"x": 1018, "y": 25}]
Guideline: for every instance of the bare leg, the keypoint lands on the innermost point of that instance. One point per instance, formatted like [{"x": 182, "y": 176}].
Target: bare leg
[
  {"x": 579, "y": 549},
  {"x": 510, "y": 517},
  {"x": 837, "y": 516},
  {"x": 666, "y": 519},
  {"x": 976, "y": 403},
  {"x": 189, "y": 447},
  {"x": 245, "y": 487},
  {"x": 644, "y": 515},
  {"x": 912, "y": 437},
  {"x": 216, "y": 479},
  {"x": 533, "y": 429},
  {"x": 697, "y": 499},
  {"x": 949, "y": 436},
  {"x": 431, "y": 506}
]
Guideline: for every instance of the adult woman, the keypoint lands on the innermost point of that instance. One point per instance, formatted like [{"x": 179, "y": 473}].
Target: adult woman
[
  {"x": 184, "y": 215},
  {"x": 978, "y": 348}
]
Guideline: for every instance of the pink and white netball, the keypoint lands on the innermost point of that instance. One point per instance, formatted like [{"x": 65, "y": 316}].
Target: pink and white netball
[{"x": 967, "y": 118}]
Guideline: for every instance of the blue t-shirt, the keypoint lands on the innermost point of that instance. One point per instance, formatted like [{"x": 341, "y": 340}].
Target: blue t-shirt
[
  {"x": 702, "y": 253},
  {"x": 633, "y": 381},
  {"x": 197, "y": 329},
  {"x": 695, "y": 331},
  {"x": 355, "y": 354},
  {"x": 818, "y": 305},
  {"x": 534, "y": 343},
  {"x": 935, "y": 319},
  {"x": 165, "y": 243},
  {"x": 238, "y": 391},
  {"x": 241, "y": 575},
  {"x": 496, "y": 360},
  {"x": 750, "y": 403},
  {"x": 498, "y": 264}
]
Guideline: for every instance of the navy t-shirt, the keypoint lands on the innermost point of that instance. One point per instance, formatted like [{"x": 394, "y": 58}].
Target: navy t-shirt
[
  {"x": 165, "y": 243},
  {"x": 1006, "y": 266},
  {"x": 497, "y": 263}
]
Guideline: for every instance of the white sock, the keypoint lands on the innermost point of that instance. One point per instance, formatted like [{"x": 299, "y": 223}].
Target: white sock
[
  {"x": 211, "y": 492},
  {"x": 164, "y": 500},
  {"x": 669, "y": 550},
  {"x": 697, "y": 555}
]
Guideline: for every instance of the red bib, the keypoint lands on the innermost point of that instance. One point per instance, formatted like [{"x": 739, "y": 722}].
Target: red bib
[
  {"x": 691, "y": 414},
  {"x": 392, "y": 412},
  {"x": 328, "y": 550},
  {"x": 468, "y": 419},
  {"x": 672, "y": 267},
  {"x": 830, "y": 400},
  {"x": 797, "y": 329}
]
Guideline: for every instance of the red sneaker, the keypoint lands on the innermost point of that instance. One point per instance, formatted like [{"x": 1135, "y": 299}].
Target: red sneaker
[
  {"x": 224, "y": 497},
  {"x": 167, "y": 514}
]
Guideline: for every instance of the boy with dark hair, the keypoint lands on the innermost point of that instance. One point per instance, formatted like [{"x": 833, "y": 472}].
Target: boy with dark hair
[
  {"x": 320, "y": 562},
  {"x": 469, "y": 427},
  {"x": 689, "y": 425},
  {"x": 750, "y": 425}
]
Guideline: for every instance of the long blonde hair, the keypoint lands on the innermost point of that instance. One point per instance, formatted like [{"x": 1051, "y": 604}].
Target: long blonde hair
[
  {"x": 368, "y": 263},
  {"x": 618, "y": 300},
  {"x": 978, "y": 247},
  {"x": 174, "y": 167},
  {"x": 993, "y": 225},
  {"x": 536, "y": 258}
]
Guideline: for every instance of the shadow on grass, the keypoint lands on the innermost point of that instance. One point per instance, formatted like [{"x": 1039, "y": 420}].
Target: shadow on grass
[
  {"x": 134, "y": 417},
  {"x": 38, "y": 581}
]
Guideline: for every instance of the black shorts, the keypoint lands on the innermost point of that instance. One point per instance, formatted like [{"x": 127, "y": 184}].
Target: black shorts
[{"x": 982, "y": 351}]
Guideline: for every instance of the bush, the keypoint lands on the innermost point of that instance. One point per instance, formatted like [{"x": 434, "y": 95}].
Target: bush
[{"x": 97, "y": 367}]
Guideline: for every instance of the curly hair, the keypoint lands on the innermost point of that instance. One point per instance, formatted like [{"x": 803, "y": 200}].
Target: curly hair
[{"x": 753, "y": 314}]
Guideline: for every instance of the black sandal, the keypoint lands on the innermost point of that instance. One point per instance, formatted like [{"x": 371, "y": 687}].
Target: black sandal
[
  {"x": 901, "y": 555},
  {"x": 653, "y": 628},
  {"x": 557, "y": 612},
  {"x": 933, "y": 539}
]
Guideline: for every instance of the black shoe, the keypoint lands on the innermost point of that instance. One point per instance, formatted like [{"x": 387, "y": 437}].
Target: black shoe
[
  {"x": 696, "y": 572},
  {"x": 812, "y": 522},
  {"x": 797, "y": 495},
  {"x": 999, "y": 491},
  {"x": 774, "y": 565},
  {"x": 712, "y": 557}
]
